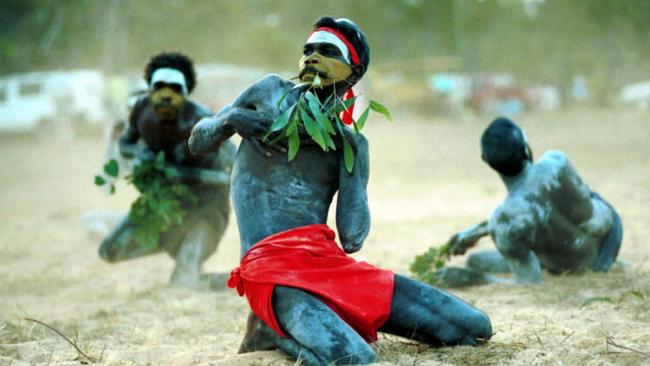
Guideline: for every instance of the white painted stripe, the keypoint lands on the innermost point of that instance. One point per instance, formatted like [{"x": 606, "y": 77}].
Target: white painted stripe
[
  {"x": 169, "y": 76},
  {"x": 327, "y": 37}
]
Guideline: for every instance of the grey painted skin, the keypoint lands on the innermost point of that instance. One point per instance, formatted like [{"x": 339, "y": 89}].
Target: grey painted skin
[
  {"x": 549, "y": 219},
  {"x": 271, "y": 194},
  {"x": 208, "y": 177}
]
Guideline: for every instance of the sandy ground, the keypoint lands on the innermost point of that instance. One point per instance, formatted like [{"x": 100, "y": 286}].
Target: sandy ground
[{"x": 427, "y": 181}]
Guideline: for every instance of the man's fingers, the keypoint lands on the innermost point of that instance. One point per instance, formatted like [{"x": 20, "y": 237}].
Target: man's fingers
[
  {"x": 260, "y": 148},
  {"x": 278, "y": 148},
  {"x": 456, "y": 247}
]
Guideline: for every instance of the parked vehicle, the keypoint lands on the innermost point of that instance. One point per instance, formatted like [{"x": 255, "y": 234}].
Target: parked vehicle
[
  {"x": 31, "y": 99},
  {"x": 637, "y": 94}
]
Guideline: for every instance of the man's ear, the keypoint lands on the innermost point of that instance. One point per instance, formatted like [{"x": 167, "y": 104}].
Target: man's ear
[
  {"x": 357, "y": 73},
  {"x": 528, "y": 153}
]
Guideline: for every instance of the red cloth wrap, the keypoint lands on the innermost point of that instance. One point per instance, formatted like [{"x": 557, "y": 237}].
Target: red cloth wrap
[{"x": 309, "y": 259}]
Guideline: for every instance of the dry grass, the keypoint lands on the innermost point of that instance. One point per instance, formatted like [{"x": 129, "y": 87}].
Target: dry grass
[{"x": 427, "y": 181}]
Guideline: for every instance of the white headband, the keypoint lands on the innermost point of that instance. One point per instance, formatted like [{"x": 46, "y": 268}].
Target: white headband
[
  {"x": 327, "y": 37},
  {"x": 169, "y": 76}
]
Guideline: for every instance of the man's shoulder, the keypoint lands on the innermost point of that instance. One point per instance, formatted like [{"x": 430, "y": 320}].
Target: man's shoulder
[
  {"x": 553, "y": 160},
  {"x": 267, "y": 90},
  {"x": 555, "y": 172},
  {"x": 140, "y": 105},
  {"x": 515, "y": 213},
  {"x": 272, "y": 81}
]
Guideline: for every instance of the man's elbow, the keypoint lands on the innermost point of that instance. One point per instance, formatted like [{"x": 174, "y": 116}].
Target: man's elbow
[
  {"x": 352, "y": 240},
  {"x": 202, "y": 140}
]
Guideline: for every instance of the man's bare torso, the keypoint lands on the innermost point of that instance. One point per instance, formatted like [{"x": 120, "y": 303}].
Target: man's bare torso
[
  {"x": 286, "y": 194},
  {"x": 171, "y": 136}
]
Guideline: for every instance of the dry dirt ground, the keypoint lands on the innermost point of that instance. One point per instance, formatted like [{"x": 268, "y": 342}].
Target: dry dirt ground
[{"x": 427, "y": 181}]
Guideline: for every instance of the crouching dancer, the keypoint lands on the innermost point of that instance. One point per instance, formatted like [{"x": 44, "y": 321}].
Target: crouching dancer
[
  {"x": 550, "y": 218},
  {"x": 161, "y": 122},
  {"x": 314, "y": 301}
]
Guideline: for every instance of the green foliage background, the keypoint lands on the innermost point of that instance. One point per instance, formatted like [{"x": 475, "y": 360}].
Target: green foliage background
[{"x": 607, "y": 40}]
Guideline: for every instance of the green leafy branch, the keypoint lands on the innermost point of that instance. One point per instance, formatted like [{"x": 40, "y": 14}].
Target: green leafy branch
[
  {"x": 320, "y": 121},
  {"x": 111, "y": 169},
  {"x": 425, "y": 267},
  {"x": 161, "y": 200}
]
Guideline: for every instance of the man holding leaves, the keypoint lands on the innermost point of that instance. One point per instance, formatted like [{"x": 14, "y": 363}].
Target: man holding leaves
[
  {"x": 314, "y": 301},
  {"x": 183, "y": 207}
]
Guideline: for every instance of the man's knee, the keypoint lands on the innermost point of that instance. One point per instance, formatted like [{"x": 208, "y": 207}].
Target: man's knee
[
  {"x": 317, "y": 327},
  {"x": 490, "y": 261},
  {"x": 112, "y": 249},
  {"x": 480, "y": 327},
  {"x": 119, "y": 244},
  {"x": 359, "y": 354},
  {"x": 105, "y": 250},
  {"x": 473, "y": 328}
]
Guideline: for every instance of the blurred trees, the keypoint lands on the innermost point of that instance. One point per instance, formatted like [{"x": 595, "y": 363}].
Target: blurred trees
[{"x": 540, "y": 41}]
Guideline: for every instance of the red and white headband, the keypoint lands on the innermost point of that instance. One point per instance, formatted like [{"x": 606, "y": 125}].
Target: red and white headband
[{"x": 332, "y": 36}]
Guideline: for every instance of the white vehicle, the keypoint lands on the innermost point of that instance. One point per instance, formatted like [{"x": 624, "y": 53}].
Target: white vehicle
[
  {"x": 45, "y": 97},
  {"x": 637, "y": 94}
]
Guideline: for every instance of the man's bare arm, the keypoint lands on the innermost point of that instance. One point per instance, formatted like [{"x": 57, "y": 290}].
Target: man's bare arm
[
  {"x": 522, "y": 261},
  {"x": 569, "y": 194},
  {"x": 463, "y": 240},
  {"x": 199, "y": 175},
  {"x": 210, "y": 132},
  {"x": 129, "y": 141},
  {"x": 352, "y": 212},
  {"x": 250, "y": 115}
]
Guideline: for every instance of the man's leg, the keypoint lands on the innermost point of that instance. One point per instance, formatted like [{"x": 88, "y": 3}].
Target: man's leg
[
  {"x": 196, "y": 245},
  {"x": 488, "y": 261},
  {"x": 611, "y": 243},
  {"x": 218, "y": 223},
  {"x": 319, "y": 335},
  {"x": 259, "y": 337},
  {"x": 477, "y": 272},
  {"x": 120, "y": 245},
  {"x": 424, "y": 313}
]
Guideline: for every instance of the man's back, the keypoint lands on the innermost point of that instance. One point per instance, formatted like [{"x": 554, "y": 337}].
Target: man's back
[{"x": 549, "y": 210}]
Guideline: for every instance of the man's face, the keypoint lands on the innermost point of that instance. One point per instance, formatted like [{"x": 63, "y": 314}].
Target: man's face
[
  {"x": 167, "y": 99},
  {"x": 326, "y": 60}
]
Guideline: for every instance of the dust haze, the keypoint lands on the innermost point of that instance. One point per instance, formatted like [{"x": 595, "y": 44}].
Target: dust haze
[{"x": 573, "y": 74}]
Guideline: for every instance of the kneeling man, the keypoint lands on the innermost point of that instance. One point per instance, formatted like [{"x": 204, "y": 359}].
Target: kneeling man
[
  {"x": 314, "y": 301},
  {"x": 160, "y": 123},
  {"x": 550, "y": 218}
]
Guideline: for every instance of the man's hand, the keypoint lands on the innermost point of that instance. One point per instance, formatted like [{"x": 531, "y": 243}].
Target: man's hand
[
  {"x": 352, "y": 247},
  {"x": 144, "y": 154},
  {"x": 461, "y": 241},
  {"x": 249, "y": 123}
]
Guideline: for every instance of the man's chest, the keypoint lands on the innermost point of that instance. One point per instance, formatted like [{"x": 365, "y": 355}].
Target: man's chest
[{"x": 158, "y": 134}]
